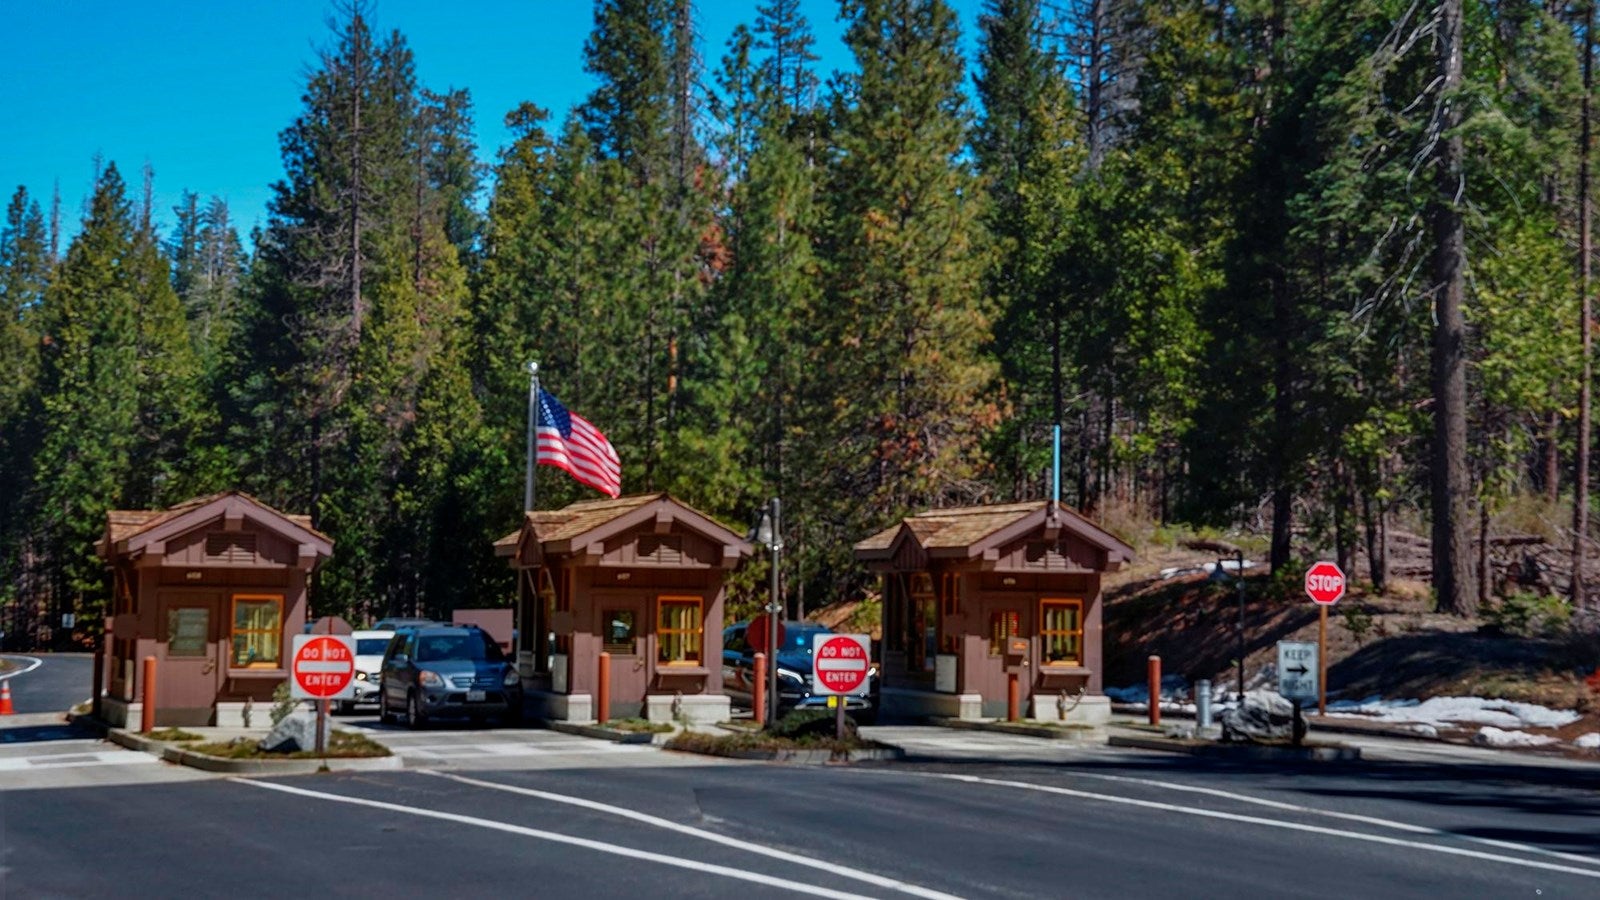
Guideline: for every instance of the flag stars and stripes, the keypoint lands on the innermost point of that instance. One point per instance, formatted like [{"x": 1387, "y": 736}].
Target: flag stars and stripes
[{"x": 569, "y": 442}]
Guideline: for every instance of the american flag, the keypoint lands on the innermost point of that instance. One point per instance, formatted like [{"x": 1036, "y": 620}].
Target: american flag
[{"x": 569, "y": 442}]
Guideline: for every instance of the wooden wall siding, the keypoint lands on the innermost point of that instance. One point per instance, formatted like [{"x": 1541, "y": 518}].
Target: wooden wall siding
[
  {"x": 1064, "y": 555},
  {"x": 233, "y": 576},
  {"x": 213, "y": 547},
  {"x": 908, "y": 557},
  {"x": 677, "y": 551}
]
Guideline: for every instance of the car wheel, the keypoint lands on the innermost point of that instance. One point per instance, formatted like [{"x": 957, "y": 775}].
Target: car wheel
[{"x": 414, "y": 716}]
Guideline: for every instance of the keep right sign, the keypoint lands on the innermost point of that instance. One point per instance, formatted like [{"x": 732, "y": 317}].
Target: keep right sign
[{"x": 1325, "y": 583}]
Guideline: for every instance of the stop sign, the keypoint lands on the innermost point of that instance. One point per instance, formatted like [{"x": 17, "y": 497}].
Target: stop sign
[
  {"x": 1325, "y": 583},
  {"x": 840, "y": 663},
  {"x": 756, "y": 633},
  {"x": 323, "y": 667}
]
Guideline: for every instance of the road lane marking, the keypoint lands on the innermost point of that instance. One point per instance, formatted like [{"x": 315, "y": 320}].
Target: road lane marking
[
  {"x": 36, "y": 664},
  {"x": 601, "y": 846},
  {"x": 1349, "y": 817},
  {"x": 1257, "y": 820},
  {"x": 636, "y": 816}
]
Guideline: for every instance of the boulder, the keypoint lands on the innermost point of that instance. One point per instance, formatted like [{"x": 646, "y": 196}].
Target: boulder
[
  {"x": 1263, "y": 718},
  {"x": 296, "y": 731}
]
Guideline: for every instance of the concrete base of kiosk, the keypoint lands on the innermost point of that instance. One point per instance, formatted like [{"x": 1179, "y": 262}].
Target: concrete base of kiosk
[
  {"x": 692, "y": 709},
  {"x": 548, "y": 705},
  {"x": 1094, "y": 710}
]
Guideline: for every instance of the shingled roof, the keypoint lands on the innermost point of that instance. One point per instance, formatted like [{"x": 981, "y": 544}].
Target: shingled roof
[
  {"x": 124, "y": 525},
  {"x": 964, "y": 530},
  {"x": 586, "y": 518}
]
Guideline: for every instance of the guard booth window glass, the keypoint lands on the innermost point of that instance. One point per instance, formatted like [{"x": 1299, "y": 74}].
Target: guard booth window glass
[
  {"x": 1061, "y": 632},
  {"x": 1003, "y": 624},
  {"x": 678, "y": 631},
  {"x": 617, "y": 626},
  {"x": 257, "y": 632}
]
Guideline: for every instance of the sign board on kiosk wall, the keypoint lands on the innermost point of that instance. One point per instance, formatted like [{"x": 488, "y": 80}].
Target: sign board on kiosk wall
[
  {"x": 323, "y": 667},
  {"x": 840, "y": 663}
]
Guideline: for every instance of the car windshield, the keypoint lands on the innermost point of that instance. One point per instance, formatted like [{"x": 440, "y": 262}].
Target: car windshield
[
  {"x": 371, "y": 646},
  {"x": 469, "y": 645}
]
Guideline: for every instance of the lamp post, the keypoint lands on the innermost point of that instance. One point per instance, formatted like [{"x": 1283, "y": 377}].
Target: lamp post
[
  {"x": 1220, "y": 576},
  {"x": 768, "y": 531}
]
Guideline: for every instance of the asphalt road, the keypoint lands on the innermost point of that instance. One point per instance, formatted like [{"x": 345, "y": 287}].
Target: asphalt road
[
  {"x": 1101, "y": 824},
  {"x": 55, "y": 685}
]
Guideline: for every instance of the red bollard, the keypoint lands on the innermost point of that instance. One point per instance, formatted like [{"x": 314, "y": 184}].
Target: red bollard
[
  {"x": 602, "y": 702},
  {"x": 147, "y": 718},
  {"x": 758, "y": 691},
  {"x": 1155, "y": 690},
  {"x": 1013, "y": 699}
]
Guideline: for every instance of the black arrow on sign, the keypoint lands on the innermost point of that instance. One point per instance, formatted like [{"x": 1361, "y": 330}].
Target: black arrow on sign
[{"x": 1298, "y": 670}]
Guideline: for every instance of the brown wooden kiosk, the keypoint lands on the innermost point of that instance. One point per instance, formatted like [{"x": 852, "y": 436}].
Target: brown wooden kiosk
[
  {"x": 638, "y": 577},
  {"x": 974, "y": 595},
  {"x": 212, "y": 588}
]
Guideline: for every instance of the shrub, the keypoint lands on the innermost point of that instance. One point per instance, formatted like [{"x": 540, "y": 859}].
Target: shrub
[
  {"x": 282, "y": 703},
  {"x": 1357, "y": 621},
  {"x": 1528, "y": 614},
  {"x": 811, "y": 723}
]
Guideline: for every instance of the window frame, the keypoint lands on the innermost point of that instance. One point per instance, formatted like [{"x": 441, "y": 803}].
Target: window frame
[
  {"x": 234, "y": 631},
  {"x": 607, "y": 616},
  {"x": 1046, "y": 634},
  {"x": 697, "y": 634},
  {"x": 1012, "y": 618}
]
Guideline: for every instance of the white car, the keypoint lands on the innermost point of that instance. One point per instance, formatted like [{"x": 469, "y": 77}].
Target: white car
[{"x": 370, "y": 646}]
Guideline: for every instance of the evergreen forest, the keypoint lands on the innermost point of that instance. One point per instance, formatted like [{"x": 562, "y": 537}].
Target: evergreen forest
[{"x": 1307, "y": 267}]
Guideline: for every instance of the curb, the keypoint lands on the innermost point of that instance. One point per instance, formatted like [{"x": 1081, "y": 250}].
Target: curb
[
  {"x": 175, "y": 754},
  {"x": 1085, "y": 735},
  {"x": 615, "y": 735},
  {"x": 807, "y": 757},
  {"x": 1258, "y": 752}
]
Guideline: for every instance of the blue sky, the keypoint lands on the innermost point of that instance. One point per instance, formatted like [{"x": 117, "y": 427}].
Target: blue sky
[{"x": 199, "y": 89}]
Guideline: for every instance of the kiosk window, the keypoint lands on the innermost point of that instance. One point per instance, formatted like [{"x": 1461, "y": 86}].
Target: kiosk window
[
  {"x": 257, "y": 632},
  {"x": 678, "y": 631},
  {"x": 1003, "y": 624},
  {"x": 618, "y": 629},
  {"x": 188, "y": 630},
  {"x": 1061, "y": 632}
]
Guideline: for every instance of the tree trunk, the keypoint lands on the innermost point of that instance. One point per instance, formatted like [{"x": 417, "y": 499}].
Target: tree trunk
[
  {"x": 1580, "y": 480},
  {"x": 1452, "y": 569}
]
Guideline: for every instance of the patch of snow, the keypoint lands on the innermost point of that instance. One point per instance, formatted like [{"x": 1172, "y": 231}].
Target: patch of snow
[
  {"x": 1590, "y": 741},
  {"x": 1438, "y": 711},
  {"x": 1489, "y": 736},
  {"x": 1229, "y": 567}
]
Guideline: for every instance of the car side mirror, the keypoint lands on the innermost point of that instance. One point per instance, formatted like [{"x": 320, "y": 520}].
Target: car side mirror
[{"x": 399, "y": 659}]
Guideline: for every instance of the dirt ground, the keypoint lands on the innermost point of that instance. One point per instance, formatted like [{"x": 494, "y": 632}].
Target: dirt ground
[{"x": 1389, "y": 646}]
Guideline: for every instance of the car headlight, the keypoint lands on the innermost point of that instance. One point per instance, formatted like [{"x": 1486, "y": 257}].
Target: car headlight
[
  {"x": 361, "y": 676},
  {"x": 511, "y": 678},
  {"x": 430, "y": 679}
]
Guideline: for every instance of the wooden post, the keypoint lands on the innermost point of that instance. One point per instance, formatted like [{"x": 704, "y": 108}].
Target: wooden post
[
  {"x": 838, "y": 717},
  {"x": 602, "y": 700},
  {"x": 758, "y": 691},
  {"x": 1013, "y": 698},
  {"x": 1153, "y": 673},
  {"x": 1322, "y": 659},
  {"x": 147, "y": 716}
]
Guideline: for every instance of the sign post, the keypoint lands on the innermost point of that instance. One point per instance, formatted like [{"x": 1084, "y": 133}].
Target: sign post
[
  {"x": 1324, "y": 585},
  {"x": 840, "y": 664},
  {"x": 1298, "y": 679},
  {"x": 323, "y": 668}
]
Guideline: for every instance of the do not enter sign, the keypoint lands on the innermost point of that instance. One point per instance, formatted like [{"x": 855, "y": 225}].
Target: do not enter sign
[
  {"x": 840, "y": 663},
  {"x": 323, "y": 667},
  {"x": 1325, "y": 583}
]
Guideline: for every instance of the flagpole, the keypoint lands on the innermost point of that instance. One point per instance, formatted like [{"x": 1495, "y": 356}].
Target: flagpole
[{"x": 533, "y": 446}]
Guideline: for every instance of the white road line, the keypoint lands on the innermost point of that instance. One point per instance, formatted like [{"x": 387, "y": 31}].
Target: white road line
[
  {"x": 601, "y": 846},
  {"x": 36, "y": 664},
  {"x": 1348, "y": 817},
  {"x": 881, "y": 881},
  {"x": 1257, "y": 820}
]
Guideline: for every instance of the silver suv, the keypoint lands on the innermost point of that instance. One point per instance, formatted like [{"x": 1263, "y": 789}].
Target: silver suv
[{"x": 447, "y": 671}]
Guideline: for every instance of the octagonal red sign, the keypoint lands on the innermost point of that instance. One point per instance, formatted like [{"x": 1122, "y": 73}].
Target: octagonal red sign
[{"x": 1325, "y": 583}]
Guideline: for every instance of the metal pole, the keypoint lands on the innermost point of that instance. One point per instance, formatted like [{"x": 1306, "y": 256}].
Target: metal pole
[
  {"x": 1322, "y": 659},
  {"x": 1152, "y": 671},
  {"x": 774, "y": 609},
  {"x": 1238, "y": 576},
  {"x": 533, "y": 424},
  {"x": 1055, "y": 481},
  {"x": 147, "y": 715},
  {"x": 758, "y": 706}
]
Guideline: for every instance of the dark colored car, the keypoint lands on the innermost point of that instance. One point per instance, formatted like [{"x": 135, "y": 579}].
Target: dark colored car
[
  {"x": 447, "y": 671},
  {"x": 794, "y": 672}
]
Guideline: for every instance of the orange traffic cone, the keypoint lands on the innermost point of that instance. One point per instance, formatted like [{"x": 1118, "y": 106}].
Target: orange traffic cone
[{"x": 5, "y": 699}]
